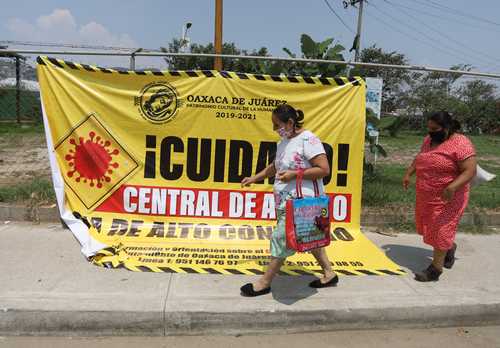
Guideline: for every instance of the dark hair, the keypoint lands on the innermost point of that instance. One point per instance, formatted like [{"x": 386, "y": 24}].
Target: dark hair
[
  {"x": 445, "y": 120},
  {"x": 285, "y": 112}
]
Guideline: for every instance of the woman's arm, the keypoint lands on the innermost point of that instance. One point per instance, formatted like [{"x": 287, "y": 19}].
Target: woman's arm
[
  {"x": 409, "y": 172},
  {"x": 267, "y": 172},
  {"x": 412, "y": 168},
  {"x": 320, "y": 168},
  {"x": 467, "y": 172}
]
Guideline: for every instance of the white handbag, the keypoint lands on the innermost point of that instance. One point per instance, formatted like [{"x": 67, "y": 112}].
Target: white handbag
[{"x": 481, "y": 176}]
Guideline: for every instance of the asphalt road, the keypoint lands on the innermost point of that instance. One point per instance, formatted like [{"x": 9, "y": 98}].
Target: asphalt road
[{"x": 483, "y": 337}]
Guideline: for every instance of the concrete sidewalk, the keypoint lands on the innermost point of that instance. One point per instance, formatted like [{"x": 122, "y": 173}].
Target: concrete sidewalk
[{"x": 47, "y": 287}]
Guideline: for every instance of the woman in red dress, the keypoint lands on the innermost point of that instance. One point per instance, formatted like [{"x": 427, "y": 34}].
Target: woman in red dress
[{"x": 444, "y": 167}]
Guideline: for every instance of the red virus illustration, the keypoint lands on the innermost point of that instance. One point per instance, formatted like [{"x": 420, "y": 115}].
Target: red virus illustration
[{"x": 91, "y": 159}]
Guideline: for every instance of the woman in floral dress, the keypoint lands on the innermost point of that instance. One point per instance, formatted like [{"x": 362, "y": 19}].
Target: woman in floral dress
[
  {"x": 444, "y": 167},
  {"x": 299, "y": 149}
]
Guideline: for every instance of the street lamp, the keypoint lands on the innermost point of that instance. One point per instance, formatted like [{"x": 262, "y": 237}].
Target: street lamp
[
  {"x": 132, "y": 58},
  {"x": 185, "y": 41}
]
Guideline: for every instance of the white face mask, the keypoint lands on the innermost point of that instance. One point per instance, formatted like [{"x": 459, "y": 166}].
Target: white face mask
[{"x": 283, "y": 132}]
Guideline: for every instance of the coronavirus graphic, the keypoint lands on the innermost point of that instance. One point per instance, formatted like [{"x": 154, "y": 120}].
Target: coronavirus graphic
[{"x": 91, "y": 159}]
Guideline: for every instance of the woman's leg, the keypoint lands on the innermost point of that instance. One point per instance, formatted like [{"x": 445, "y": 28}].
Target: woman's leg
[
  {"x": 272, "y": 269},
  {"x": 434, "y": 270},
  {"x": 438, "y": 260},
  {"x": 322, "y": 258}
]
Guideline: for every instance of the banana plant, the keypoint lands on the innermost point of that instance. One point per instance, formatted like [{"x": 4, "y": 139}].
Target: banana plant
[{"x": 311, "y": 49}]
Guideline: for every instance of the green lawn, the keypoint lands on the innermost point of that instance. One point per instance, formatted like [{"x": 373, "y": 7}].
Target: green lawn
[
  {"x": 29, "y": 105},
  {"x": 404, "y": 141},
  {"x": 385, "y": 189},
  {"x": 39, "y": 190},
  {"x": 486, "y": 145},
  {"x": 24, "y": 128}
]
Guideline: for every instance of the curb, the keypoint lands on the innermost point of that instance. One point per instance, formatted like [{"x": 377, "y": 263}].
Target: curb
[
  {"x": 10, "y": 212},
  {"x": 468, "y": 219},
  {"x": 104, "y": 323}
]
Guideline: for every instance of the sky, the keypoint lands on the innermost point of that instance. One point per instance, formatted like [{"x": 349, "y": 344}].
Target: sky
[{"x": 426, "y": 33}]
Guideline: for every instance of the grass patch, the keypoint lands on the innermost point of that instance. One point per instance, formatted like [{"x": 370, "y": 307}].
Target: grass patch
[
  {"x": 486, "y": 145},
  {"x": 29, "y": 104},
  {"x": 39, "y": 190},
  {"x": 403, "y": 141},
  {"x": 486, "y": 195},
  {"x": 385, "y": 190},
  {"x": 12, "y": 128}
]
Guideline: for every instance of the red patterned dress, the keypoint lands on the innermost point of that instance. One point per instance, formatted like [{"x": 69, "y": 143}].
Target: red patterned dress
[{"x": 437, "y": 220}]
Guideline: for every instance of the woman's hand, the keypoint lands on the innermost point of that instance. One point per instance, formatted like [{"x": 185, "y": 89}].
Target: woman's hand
[
  {"x": 286, "y": 175},
  {"x": 406, "y": 181},
  {"x": 248, "y": 181},
  {"x": 448, "y": 193}
]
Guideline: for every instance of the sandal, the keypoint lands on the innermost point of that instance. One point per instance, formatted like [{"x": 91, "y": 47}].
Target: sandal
[
  {"x": 449, "y": 260},
  {"x": 317, "y": 284},
  {"x": 247, "y": 290},
  {"x": 431, "y": 274}
]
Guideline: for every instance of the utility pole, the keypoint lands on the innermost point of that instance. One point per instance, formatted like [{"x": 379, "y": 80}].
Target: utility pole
[
  {"x": 218, "y": 35},
  {"x": 358, "y": 33},
  {"x": 357, "y": 39}
]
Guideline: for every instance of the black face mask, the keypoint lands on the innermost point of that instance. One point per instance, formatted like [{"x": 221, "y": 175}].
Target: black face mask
[{"x": 438, "y": 136}]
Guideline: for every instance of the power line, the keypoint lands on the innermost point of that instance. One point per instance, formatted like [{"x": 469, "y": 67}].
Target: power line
[
  {"x": 414, "y": 37},
  {"x": 340, "y": 18},
  {"x": 455, "y": 12},
  {"x": 450, "y": 48},
  {"x": 463, "y": 14},
  {"x": 426, "y": 25},
  {"x": 440, "y": 17}
]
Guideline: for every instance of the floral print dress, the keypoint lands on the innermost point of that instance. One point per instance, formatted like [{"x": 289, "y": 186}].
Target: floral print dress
[{"x": 292, "y": 154}]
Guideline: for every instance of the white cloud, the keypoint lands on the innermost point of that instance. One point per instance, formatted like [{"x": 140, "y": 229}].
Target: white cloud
[
  {"x": 20, "y": 28},
  {"x": 94, "y": 32},
  {"x": 60, "y": 26},
  {"x": 60, "y": 19}
]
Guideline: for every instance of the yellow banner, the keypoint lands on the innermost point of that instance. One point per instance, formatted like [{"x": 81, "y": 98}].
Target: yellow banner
[{"x": 152, "y": 163}]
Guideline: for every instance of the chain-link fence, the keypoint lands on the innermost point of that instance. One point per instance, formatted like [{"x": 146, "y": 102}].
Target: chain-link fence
[
  {"x": 24, "y": 165},
  {"x": 19, "y": 91},
  {"x": 19, "y": 105}
]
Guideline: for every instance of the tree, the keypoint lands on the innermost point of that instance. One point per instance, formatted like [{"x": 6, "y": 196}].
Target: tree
[
  {"x": 473, "y": 102},
  {"x": 311, "y": 49},
  {"x": 395, "y": 80},
  {"x": 427, "y": 92},
  {"x": 478, "y": 111},
  {"x": 448, "y": 79},
  {"x": 206, "y": 63}
]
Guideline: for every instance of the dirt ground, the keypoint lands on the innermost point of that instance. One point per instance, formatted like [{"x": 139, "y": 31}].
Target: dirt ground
[{"x": 22, "y": 158}]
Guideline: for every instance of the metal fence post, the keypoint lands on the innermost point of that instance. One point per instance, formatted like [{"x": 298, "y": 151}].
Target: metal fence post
[
  {"x": 18, "y": 90},
  {"x": 132, "y": 58},
  {"x": 132, "y": 61}
]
